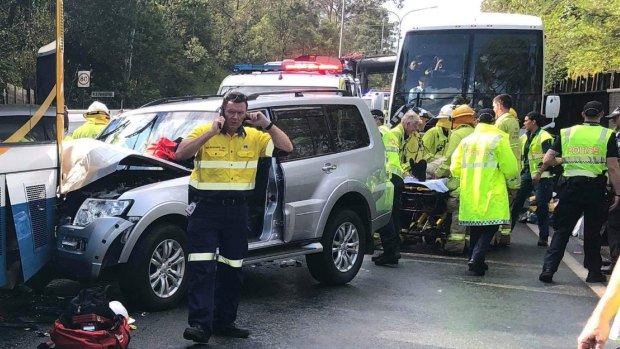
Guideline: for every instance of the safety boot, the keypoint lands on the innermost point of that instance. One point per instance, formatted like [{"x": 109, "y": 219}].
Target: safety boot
[
  {"x": 596, "y": 276},
  {"x": 546, "y": 276},
  {"x": 390, "y": 256},
  {"x": 197, "y": 334}
]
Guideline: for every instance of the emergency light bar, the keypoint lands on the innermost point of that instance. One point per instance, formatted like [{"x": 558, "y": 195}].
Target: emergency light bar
[{"x": 311, "y": 66}]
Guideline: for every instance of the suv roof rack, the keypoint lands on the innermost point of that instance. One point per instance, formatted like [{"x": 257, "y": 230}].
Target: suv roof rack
[
  {"x": 298, "y": 93},
  {"x": 178, "y": 99}
]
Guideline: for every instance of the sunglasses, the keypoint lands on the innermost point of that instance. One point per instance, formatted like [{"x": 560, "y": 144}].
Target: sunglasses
[{"x": 235, "y": 97}]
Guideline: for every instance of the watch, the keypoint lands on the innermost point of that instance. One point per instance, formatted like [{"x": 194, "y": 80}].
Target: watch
[{"x": 269, "y": 126}]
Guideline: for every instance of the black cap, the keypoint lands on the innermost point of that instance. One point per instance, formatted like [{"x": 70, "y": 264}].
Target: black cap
[
  {"x": 592, "y": 108},
  {"x": 486, "y": 116},
  {"x": 614, "y": 113}
]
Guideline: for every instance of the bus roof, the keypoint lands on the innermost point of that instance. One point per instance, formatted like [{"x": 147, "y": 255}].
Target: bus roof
[{"x": 481, "y": 20}]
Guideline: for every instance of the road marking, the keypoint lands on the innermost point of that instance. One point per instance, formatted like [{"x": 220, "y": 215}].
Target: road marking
[
  {"x": 463, "y": 259},
  {"x": 548, "y": 289},
  {"x": 574, "y": 266}
]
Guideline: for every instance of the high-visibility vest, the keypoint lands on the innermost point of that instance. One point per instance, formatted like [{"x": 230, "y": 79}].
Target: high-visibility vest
[
  {"x": 391, "y": 142},
  {"x": 584, "y": 150},
  {"x": 509, "y": 123},
  {"x": 535, "y": 155},
  {"x": 483, "y": 162},
  {"x": 95, "y": 123},
  {"x": 383, "y": 129},
  {"x": 435, "y": 141},
  {"x": 229, "y": 162}
]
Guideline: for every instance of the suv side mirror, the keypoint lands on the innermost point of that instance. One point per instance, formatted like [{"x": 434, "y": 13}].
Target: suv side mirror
[{"x": 552, "y": 109}]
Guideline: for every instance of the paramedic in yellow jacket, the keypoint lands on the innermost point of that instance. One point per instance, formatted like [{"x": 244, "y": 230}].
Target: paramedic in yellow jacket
[
  {"x": 463, "y": 122},
  {"x": 97, "y": 118},
  {"x": 483, "y": 162},
  {"x": 436, "y": 139},
  {"x": 410, "y": 139},
  {"x": 507, "y": 121}
]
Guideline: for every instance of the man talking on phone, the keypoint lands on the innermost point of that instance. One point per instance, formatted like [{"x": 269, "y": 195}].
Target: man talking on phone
[{"x": 222, "y": 180}]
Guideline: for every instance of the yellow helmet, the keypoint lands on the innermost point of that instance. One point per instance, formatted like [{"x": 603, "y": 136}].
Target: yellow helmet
[{"x": 462, "y": 110}]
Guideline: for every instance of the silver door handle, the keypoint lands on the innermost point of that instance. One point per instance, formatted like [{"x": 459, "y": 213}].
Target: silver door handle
[{"x": 329, "y": 167}]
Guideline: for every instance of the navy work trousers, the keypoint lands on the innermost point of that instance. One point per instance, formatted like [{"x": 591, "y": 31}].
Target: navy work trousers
[
  {"x": 581, "y": 196},
  {"x": 480, "y": 237},
  {"x": 214, "y": 282},
  {"x": 390, "y": 238}
]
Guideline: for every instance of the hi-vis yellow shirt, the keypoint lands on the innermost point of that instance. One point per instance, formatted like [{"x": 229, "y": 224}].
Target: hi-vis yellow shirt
[{"x": 229, "y": 162}]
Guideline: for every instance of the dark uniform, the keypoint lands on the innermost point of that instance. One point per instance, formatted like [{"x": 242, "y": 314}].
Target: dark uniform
[
  {"x": 584, "y": 150},
  {"x": 220, "y": 184}
]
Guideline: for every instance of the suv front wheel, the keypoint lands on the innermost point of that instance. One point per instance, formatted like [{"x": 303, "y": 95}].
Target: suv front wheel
[
  {"x": 343, "y": 249},
  {"x": 154, "y": 277}
]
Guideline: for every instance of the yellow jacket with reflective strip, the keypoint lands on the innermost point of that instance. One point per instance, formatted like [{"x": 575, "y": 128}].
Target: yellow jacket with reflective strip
[
  {"x": 584, "y": 150},
  {"x": 454, "y": 140},
  {"x": 435, "y": 141},
  {"x": 95, "y": 123},
  {"x": 509, "y": 123},
  {"x": 483, "y": 162},
  {"x": 229, "y": 162},
  {"x": 392, "y": 145},
  {"x": 535, "y": 155}
]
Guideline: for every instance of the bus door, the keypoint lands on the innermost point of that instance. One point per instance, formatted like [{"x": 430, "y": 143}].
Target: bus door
[{"x": 29, "y": 165}]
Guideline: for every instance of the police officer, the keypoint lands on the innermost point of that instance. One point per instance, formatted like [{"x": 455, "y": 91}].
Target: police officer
[
  {"x": 613, "y": 219},
  {"x": 483, "y": 162},
  {"x": 220, "y": 184},
  {"x": 97, "y": 118},
  {"x": 588, "y": 151},
  {"x": 535, "y": 143},
  {"x": 379, "y": 120},
  {"x": 392, "y": 140}
]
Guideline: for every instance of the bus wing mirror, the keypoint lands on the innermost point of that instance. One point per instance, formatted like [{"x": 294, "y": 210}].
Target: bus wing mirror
[{"x": 552, "y": 109}]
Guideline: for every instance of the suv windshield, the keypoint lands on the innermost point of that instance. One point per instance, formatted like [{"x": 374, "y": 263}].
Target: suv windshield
[{"x": 137, "y": 131}]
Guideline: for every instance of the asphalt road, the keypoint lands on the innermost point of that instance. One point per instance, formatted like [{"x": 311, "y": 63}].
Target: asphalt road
[{"x": 427, "y": 301}]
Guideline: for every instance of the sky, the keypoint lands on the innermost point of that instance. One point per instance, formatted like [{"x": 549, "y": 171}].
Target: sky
[{"x": 445, "y": 6}]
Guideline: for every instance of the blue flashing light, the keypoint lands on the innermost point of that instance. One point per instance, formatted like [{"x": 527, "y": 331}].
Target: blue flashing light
[{"x": 238, "y": 68}]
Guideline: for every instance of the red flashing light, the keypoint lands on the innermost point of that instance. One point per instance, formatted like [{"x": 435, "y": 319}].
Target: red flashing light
[{"x": 312, "y": 66}]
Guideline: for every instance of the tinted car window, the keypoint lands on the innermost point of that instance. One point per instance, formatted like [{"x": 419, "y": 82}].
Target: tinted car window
[
  {"x": 347, "y": 127},
  {"x": 307, "y": 129},
  {"x": 43, "y": 131},
  {"x": 138, "y": 131}
]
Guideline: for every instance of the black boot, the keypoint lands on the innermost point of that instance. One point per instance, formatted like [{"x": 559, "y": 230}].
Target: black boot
[
  {"x": 197, "y": 334},
  {"x": 375, "y": 258},
  {"x": 231, "y": 331},
  {"x": 546, "y": 276},
  {"x": 385, "y": 259}
]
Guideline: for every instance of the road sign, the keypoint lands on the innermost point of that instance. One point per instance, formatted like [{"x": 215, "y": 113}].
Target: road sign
[
  {"x": 83, "y": 78},
  {"x": 102, "y": 94}
]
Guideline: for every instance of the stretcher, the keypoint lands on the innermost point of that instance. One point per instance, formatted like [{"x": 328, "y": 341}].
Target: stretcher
[{"x": 424, "y": 215}]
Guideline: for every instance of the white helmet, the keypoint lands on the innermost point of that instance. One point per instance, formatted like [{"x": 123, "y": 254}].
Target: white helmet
[
  {"x": 98, "y": 107},
  {"x": 119, "y": 309},
  {"x": 446, "y": 111}
]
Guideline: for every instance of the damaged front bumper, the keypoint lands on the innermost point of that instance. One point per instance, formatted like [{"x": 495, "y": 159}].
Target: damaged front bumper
[{"x": 83, "y": 252}]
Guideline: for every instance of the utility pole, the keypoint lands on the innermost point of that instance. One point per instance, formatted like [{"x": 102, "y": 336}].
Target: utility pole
[{"x": 341, "y": 29}]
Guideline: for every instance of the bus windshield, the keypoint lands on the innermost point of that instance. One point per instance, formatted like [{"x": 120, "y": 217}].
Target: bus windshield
[{"x": 435, "y": 66}]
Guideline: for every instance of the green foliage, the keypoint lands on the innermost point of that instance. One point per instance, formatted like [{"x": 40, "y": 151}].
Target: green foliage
[
  {"x": 581, "y": 35},
  {"x": 147, "y": 49}
]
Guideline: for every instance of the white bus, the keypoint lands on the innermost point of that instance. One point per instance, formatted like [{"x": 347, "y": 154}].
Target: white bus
[{"x": 475, "y": 56}]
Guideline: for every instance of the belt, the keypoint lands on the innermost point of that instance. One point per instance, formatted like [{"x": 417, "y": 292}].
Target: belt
[
  {"x": 224, "y": 201},
  {"x": 584, "y": 179}
]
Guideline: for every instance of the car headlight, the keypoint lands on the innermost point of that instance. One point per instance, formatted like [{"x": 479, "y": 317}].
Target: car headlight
[{"x": 92, "y": 209}]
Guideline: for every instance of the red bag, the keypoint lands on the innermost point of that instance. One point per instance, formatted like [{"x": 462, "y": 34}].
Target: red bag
[
  {"x": 116, "y": 337},
  {"x": 164, "y": 148}
]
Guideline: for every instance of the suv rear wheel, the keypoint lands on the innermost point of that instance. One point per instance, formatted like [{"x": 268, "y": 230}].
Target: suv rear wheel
[
  {"x": 154, "y": 277},
  {"x": 343, "y": 243}
]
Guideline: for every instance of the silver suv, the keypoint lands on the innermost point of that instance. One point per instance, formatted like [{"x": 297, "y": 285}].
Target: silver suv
[{"x": 323, "y": 200}]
